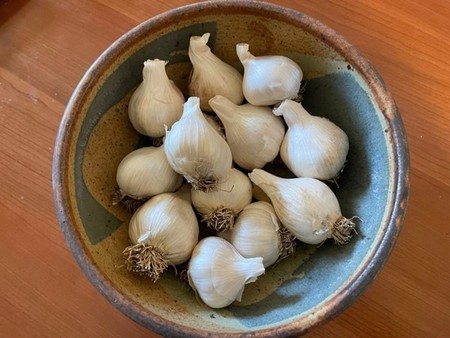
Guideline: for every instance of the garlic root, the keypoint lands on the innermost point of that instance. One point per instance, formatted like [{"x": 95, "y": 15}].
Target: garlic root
[
  {"x": 129, "y": 203},
  {"x": 202, "y": 183},
  {"x": 343, "y": 230},
  {"x": 145, "y": 260},
  {"x": 220, "y": 220},
  {"x": 288, "y": 243}
]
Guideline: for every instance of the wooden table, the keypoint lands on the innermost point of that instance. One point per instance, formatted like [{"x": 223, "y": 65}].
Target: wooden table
[{"x": 47, "y": 45}]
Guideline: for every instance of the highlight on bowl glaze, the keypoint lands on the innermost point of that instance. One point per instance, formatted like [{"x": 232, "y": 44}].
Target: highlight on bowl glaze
[{"x": 301, "y": 291}]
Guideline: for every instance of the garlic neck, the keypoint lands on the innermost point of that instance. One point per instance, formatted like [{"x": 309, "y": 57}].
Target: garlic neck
[
  {"x": 224, "y": 108},
  {"x": 292, "y": 112},
  {"x": 243, "y": 53},
  {"x": 191, "y": 108},
  {"x": 266, "y": 181},
  {"x": 154, "y": 70},
  {"x": 199, "y": 51}
]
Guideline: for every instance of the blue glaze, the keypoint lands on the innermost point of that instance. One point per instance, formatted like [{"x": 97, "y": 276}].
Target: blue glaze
[{"x": 363, "y": 192}]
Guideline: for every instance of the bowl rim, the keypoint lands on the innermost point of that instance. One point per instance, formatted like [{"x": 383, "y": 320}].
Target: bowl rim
[{"x": 354, "y": 286}]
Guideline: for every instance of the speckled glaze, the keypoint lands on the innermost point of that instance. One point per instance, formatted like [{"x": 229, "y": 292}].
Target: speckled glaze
[{"x": 305, "y": 290}]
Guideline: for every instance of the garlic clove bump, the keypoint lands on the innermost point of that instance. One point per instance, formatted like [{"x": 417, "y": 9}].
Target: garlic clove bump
[
  {"x": 219, "y": 207},
  {"x": 307, "y": 207},
  {"x": 157, "y": 101},
  {"x": 253, "y": 133},
  {"x": 268, "y": 79},
  {"x": 210, "y": 75},
  {"x": 163, "y": 232},
  {"x": 258, "y": 232},
  {"x": 313, "y": 146},
  {"x": 196, "y": 150},
  {"x": 218, "y": 273},
  {"x": 145, "y": 172}
]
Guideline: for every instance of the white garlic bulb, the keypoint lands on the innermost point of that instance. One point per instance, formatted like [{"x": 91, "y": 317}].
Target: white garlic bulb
[
  {"x": 218, "y": 273},
  {"x": 157, "y": 101},
  {"x": 307, "y": 207},
  {"x": 258, "y": 232},
  {"x": 145, "y": 172},
  {"x": 196, "y": 150},
  {"x": 163, "y": 232},
  {"x": 210, "y": 75},
  {"x": 268, "y": 79},
  {"x": 313, "y": 146},
  {"x": 253, "y": 133},
  {"x": 219, "y": 207}
]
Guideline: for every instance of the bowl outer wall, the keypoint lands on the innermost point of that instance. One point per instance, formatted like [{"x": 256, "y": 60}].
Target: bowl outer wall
[{"x": 400, "y": 188}]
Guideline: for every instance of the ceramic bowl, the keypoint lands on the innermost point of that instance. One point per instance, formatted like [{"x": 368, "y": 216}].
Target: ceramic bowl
[{"x": 302, "y": 291}]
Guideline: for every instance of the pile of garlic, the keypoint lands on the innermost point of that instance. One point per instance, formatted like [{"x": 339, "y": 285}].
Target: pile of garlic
[{"x": 215, "y": 146}]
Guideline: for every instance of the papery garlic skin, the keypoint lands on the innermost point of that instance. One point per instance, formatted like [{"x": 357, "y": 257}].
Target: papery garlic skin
[
  {"x": 196, "y": 150},
  {"x": 256, "y": 233},
  {"x": 157, "y": 102},
  {"x": 313, "y": 146},
  {"x": 307, "y": 207},
  {"x": 219, "y": 207},
  {"x": 210, "y": 75},
  {"x": 145, "y": 172},
  {"x": 253, "y": 133},
  {"x": 268, "y": 79},
  {"x": 163, "y": 231},
  {"x": 218, "y": 273}
]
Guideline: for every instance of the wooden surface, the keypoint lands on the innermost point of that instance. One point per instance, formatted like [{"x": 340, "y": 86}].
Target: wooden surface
[{"x": 47, "y": 45}]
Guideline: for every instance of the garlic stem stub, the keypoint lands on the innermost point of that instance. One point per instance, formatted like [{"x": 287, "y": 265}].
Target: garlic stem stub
[
  {"x": 268, "y": 79},
  {"x": 157, "y": 102},
  {"x": 313, "y": 146},
  {"x": 218, "y": 273},
  {"x": 210, "y": 75},
  {"x": 196, "y": 150},
  {"x": 163, "y": 232},
  {"x": 219, "y": 207},
  {"x": 253, "y": 133},
  {"x": 307, "y": 207},
  {"x": 259, "y": 233},
  {"x": 145, "y": 172}
]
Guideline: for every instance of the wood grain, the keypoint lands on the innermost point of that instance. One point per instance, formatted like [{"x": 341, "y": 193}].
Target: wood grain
[{"x": 46, "y": 46}]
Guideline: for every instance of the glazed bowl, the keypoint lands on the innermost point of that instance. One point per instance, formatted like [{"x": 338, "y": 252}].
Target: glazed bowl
[{"x": 304, "y": 290}]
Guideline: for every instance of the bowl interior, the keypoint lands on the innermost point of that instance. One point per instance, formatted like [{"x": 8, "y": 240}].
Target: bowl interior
[{"x": 314, "y": 284}]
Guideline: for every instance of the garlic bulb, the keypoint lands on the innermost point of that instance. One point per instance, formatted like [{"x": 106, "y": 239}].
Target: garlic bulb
[
  {"x": 258, "y": 232},
  {"x": 210, "y": 75},
  {"x": 313, "y": 146},
  {"x": 253, "y": 133},
  {"x": 307, "y": 207},
  {"x": 268, "y": 79},
  {"x": 145, "y": 172},
  {"x": 157, "y": 102},
  {"x": 218, "y": 273},
  {"x": 163, "y": 232},
  {"x": 196, "y": 150},
  {"x": 219, "y": 207}
]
